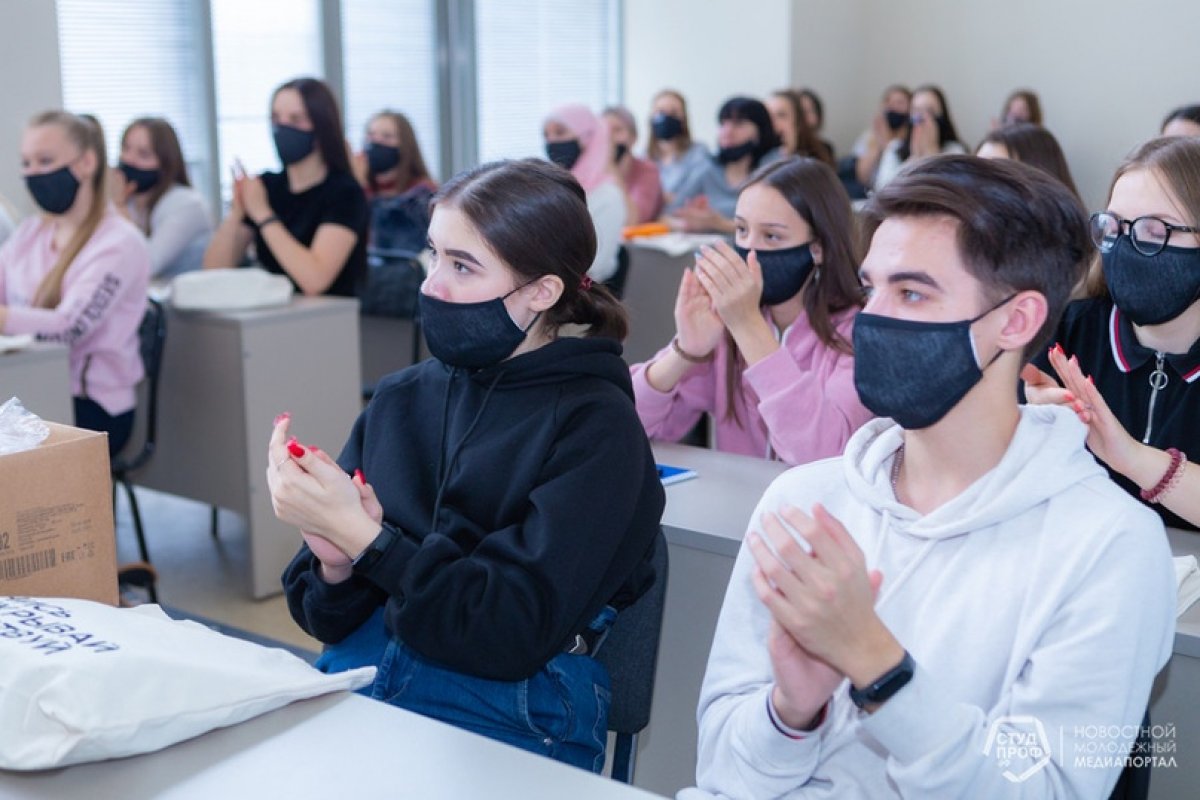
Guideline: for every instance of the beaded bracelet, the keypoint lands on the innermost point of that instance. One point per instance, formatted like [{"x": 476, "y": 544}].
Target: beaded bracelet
[
  {"x": 688, "y": 356},
  {"x": 1170, "y": 478}
]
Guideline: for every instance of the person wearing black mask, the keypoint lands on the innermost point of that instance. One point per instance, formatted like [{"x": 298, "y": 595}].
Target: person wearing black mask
[
  {"x": 889, "y": 124},
  {"x": 763, "y": 327},
  {"x": 1128, "y": 356},
  {"x": 392, "y": 171},
  {"x": 150, "y": 186},
  {"x": 638, "y": 177},
  {"x": 309, "y": 221},
  {"x": 930, "y": 132},
  {"x": 505, "y": 502},
  {"x": 966, "y": 573},
  {"x": 671, "y": 147},
  {"x": 746, "y": 138}
]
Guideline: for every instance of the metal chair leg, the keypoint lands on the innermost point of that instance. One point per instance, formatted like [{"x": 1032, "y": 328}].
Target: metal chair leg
[
  {"x": 624, "y": 757},
  {"x": 140, "y": 531}
]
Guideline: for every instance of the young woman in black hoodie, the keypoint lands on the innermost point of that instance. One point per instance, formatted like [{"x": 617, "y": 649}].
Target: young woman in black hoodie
[{"x": 513, "y": 501}]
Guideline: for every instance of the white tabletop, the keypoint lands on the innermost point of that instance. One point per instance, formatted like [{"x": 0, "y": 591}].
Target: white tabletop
[{"x": 337, "y": 746}]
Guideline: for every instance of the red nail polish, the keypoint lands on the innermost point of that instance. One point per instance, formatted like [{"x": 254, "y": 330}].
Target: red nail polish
[
  {"x": 281, "y": 417},
  {"x": 358, "y": 473},
  {"x": 314, "y": 448},
  {"x": 295, "y": 449},
  {"x": 1070, "y": 397}
]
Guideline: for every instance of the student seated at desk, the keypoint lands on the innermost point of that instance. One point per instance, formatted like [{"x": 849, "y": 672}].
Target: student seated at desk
[
  {"x": 512, "y": 499},
  {"x": 966, "y": 577},
  {"x": 764, "y": 328},
  {"x": 746, "y": 139},
  {"x": 151, "y": 188},
  {"x": 638, "y": 177},
  {"x": 78, "y": 272},
  {"x": 309, "y": 221},
  {"x": 670, "y": 146},
  {"x": 1030, "y": 144},
  {"x": 791, "y": 126},
  {"x": 931, "y": 132},
  {"x": 399, "y": 187},
  {"x": 1129, "y": 354}
]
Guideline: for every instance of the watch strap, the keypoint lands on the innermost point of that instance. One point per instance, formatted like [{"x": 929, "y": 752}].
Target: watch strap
[
  {"x": 888, "y": 684},
  {"x": 368, "y": 558}
]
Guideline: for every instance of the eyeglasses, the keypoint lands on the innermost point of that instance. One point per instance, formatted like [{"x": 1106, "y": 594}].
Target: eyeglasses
[{"x": 1149, "y": 235}]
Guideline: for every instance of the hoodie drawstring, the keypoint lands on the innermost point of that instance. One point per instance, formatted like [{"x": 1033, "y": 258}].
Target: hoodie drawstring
[{"x": 444, "y": 477}]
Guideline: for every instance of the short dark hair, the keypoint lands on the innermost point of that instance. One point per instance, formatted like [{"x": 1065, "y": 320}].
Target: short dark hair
[
  {"x": 534, "y": 215},
  {"x": 1018, "y": 228},
  {"x": 751, "y": 110},
  {"x": 1033, "y": 145},
  {"x": 322, "y": 108},
  {"x": 1191, "y": 113}
]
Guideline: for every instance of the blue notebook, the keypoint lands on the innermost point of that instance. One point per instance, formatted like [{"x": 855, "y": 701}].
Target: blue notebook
[{"x": 668, "y": 474}]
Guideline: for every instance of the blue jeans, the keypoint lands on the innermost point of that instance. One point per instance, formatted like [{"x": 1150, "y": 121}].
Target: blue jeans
[{"x": 561, "y": 711}]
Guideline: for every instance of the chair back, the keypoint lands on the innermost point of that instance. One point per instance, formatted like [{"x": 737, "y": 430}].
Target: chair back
[{"x": 152, "y": 338}]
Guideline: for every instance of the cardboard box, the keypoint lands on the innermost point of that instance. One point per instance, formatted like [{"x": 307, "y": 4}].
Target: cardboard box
[{"x": 56, "y": 519}]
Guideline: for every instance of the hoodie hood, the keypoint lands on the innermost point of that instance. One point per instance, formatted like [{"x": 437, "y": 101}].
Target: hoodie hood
[
  {"x": 1051, "y": 435},
  {"x": 561, "y": 359}
]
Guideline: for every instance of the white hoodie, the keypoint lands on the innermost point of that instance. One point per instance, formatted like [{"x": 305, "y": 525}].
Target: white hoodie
[{"x": 1042, "y": 592}]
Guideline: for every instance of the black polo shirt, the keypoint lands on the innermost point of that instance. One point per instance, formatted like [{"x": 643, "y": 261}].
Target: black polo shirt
[
  {"x": 338, "y": 200},
  {"x": 1103, "y": 339}
]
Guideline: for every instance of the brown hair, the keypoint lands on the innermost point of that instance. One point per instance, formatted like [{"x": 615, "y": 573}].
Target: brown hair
[
  {"x": 1031, "y": 101},
  {"x": 322, "y": 109},
  {"x": 1033, "y": 145},
  {"x": 807, "y": 142},
  {"x": 684, "y": 140},
  {"x": 813, "y": 189},
  {"x": 1018, "y": 228},
  {"x": 172, "y": 169},
  {"x": 412, "y": 163},
  {"x": 1175, "y": 162},
  {"x": 85, "y": 132},
  {"x": 534, "y": 215}
]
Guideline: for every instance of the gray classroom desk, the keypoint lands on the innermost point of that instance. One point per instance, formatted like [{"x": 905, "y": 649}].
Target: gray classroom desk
[
  {"x": 225, "y": 375},
  {"x": 704, "y": 522},
  {"x": 337, "y": 746},
  {"x": 650, "y": 290},
  {"x": 40, "y": 376}
]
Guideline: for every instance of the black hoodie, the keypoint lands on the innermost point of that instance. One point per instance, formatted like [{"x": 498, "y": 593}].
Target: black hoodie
[{"x": 547, "y": 503}]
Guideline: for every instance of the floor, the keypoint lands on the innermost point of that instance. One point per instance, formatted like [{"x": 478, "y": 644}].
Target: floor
[{"x": 202, "y": 576}]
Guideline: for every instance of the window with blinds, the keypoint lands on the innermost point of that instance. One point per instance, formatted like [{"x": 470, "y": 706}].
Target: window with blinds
[
  {"x": 257, "y": 46},
  {"x": 534, "y": 55},
  {"x": 124, "y": 59},
  {"x": 389, "y": 61}
]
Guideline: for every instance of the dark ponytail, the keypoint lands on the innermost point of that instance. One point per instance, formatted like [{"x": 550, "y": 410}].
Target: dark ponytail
[{"x": 534, "y": 215}]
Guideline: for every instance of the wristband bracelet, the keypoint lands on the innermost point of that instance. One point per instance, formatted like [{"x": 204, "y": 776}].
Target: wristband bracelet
[
  {"x": 1170, "y": 478},
  {"x": 688, "y": 356},
  {"x": 268, "y": 221}
]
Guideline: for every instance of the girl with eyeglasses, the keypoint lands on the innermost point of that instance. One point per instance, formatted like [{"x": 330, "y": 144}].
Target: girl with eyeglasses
[{"x": 1128, "y": 356}]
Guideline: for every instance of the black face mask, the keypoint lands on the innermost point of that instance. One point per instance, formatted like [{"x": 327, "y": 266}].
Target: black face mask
[
  {"x": 915, "y": 372},
  {"x": 1151, "y": 290},
  {"x": 565, "y": 154},
  {"x": 143, "y": 179},
  {"x": 666, "y": 127},
  {"x": 381, "y": 157},
  {"x": 896, "y": 120},
  {"x": 292, "y": 144},
  {"x": 943, "y": 126},
  {"x": 619, "y": 152},
  {"x": 727, "y": 155},
  {"x": 470, "y": 335},
  {"x": 783, "y": 271},
  {"x": 53, "y": 191}
]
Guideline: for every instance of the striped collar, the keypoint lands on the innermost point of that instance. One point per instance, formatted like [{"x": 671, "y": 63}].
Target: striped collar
[{"x": 1130, "y": 354}]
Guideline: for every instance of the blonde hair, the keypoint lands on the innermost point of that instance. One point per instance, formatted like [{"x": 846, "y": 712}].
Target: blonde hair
[{"x": 85, "y": 132}]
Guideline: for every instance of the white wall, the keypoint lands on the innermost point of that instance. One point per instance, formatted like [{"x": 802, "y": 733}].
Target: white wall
[
  {"x": 1107, "y": 71},
  {"x": 29, "y": 82},
  {"x": 709, "y": 50}
]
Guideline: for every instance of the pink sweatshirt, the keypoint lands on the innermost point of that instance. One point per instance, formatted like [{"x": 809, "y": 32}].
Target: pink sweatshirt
[
  {"x": 103, "y": 301},
  {"x": 797, "y": 405}
]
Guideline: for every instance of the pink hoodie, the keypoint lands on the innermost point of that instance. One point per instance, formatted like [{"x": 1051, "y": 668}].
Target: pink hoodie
[
  {"x": 797, "y": 405},
  {"x": 103, "y": 301}
]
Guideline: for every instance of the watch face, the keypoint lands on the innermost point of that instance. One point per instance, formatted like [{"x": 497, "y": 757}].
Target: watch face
[{"x": 891, "y": 682}]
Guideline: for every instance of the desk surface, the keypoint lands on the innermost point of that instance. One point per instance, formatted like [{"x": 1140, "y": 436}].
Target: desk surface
[
  {"x": 299, "y": 307},
  {"x": 40, "y": 376},
  {"x": 340, "y": 745}
]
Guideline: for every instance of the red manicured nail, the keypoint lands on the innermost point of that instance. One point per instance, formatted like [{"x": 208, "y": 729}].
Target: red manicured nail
[
  {"x": 358, "y": 473},
  {"x": 314, "y": 448},
  {"x": 295, "y": 449},
  {"x": 1070, "y": 397},
  {"x": 281, "y": 417}
]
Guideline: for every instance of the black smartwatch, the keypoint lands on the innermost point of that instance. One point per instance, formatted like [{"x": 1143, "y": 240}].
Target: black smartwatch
[
  {"x": 370, "y": 557},
  {"x": 891, "y": 682}
]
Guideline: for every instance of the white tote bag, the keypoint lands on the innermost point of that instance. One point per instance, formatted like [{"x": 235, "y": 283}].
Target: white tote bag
[{"x": 82, "y": 681}]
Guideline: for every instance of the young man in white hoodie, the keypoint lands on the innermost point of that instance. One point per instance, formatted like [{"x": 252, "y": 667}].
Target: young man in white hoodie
[{"x": 963, "y": 605}]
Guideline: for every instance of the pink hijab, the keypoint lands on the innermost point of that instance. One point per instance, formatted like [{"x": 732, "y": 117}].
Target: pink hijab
[{"x": 592, "y": 168}]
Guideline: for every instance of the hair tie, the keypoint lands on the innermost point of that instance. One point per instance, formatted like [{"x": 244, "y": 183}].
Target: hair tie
[{"x": 586, "y": 283}]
